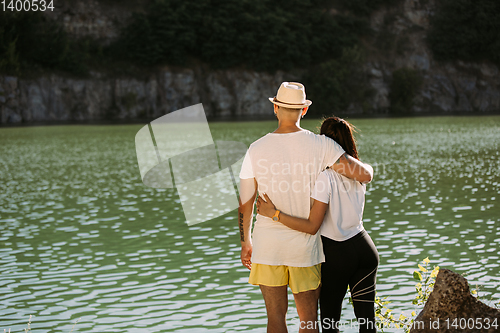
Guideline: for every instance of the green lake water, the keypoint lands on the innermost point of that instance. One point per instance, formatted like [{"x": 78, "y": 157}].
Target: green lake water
[{"x": 82, "y": 237}]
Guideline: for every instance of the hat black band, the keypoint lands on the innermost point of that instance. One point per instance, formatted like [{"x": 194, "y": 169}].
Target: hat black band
[{"x": 277, "y": 100}]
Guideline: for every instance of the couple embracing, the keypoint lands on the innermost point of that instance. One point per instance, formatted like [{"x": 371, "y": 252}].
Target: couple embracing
[{"x": 308, "y": 232}]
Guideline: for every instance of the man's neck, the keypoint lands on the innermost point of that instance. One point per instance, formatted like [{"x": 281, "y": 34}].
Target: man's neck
[{"x": 288, "y": 127}]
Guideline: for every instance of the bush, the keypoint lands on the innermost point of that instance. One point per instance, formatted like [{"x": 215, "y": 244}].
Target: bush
[
  {"x": 259, "y": 34},
  {"x": 9, "y": 56},
  {"x": 29, "y": 39},
  {"x": 262, "y": 35},
  {"x": 466, "y": 30},
  {"x": 404, "y": 86},
  {"x": 366, "y": 7},
  {"x": 9, "y": 59},
  {"x": 337, "y": 83}
]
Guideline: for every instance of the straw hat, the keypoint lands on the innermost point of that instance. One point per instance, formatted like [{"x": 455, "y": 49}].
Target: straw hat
[{"x": 291, "y": 95}]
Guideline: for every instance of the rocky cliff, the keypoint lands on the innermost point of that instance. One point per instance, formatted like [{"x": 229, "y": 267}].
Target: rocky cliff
[
  {"x": 447, "y": 87},
  {"x": 224, "y": 94},
  {"x": 399, "y": 42}
]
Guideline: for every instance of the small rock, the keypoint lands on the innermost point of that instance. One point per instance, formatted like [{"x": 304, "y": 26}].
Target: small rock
[
  {"x": 444, "y": 103},
  {"x": 13, "y": 117},
  {"x": 450, "y": 68},
  {"x": 463, "y": 103},
  {"x": 445, "y": 82},
  {"x": 482, "y": 83},
  {"x": 376, "y": 73},
  {"x": 11, "y": 82},
  {"x": 467, "y": 84},
  {"x": 489, "y": 70},
  {"x": 420, "y": 61},
  {"x": 417, "y": 12},
  {"x": 451, "y": 300}
]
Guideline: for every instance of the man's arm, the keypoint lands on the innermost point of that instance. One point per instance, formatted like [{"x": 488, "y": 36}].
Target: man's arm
[
  {"x": 352, "y": 168},
  {"x": 248, "y": 192}
]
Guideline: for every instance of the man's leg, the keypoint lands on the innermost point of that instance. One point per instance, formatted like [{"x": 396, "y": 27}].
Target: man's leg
[
  {"x": 276, "y": 306},
  {"x": 307, "y": 309}
]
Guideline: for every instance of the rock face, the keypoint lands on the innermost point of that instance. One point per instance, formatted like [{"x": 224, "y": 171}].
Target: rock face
[
  {"x": 224, "y": 94},
  {"x": 452, "y": 308},
  {"x": 447, "y": 87},
  {"x": 399, "y": 42}
]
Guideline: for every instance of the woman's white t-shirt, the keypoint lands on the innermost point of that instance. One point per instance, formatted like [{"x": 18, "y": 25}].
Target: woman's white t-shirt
[
  {"x": 346, "y": 200},
  {"x": 286, "y": 167}
]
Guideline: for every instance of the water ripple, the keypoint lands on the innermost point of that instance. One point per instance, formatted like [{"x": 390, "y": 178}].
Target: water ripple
[{"x": 82, "y": 237}]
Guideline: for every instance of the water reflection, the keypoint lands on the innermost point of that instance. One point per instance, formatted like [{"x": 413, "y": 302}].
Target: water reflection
[{"x": 82, "y": 237}]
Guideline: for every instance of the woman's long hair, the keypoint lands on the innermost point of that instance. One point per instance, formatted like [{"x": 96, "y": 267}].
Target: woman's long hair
[{"x": 342, "y": 132}]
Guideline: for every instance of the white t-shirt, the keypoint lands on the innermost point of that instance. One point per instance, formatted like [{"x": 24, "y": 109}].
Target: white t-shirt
[
  {"x": 286, "y": 167},
  {"x": 346, "y": 199}
]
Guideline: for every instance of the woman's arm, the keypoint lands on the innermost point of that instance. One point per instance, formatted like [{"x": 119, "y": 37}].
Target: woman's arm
[{"x": 311, "y": 226}]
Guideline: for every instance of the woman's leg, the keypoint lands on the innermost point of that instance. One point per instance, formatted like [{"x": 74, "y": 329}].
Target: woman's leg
[
  {"x": 335, "y": 274},
  {"x": 362, "y": 283}
]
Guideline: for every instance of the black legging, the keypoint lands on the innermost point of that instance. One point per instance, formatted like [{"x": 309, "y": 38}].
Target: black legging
[{"x": 351, "y": 262}]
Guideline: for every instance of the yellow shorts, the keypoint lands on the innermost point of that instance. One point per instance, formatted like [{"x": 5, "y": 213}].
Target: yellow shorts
[{"x": 298, "y": 278}]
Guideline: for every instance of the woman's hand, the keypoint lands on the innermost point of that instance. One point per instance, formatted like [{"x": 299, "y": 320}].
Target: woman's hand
[{"x": 265, "y": 207}]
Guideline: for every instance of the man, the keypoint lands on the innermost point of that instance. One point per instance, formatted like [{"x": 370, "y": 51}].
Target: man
[{"x": 284, "y": 165}]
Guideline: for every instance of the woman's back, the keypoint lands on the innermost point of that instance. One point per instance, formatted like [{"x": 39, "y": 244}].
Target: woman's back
[{"x": 346, "y": 199}]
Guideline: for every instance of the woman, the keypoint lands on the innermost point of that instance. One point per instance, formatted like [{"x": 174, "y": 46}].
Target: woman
[{"x": 351, "y": 258}]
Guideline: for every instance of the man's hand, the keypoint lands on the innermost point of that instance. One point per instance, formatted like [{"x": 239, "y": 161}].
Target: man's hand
[
  {"x": 352, "y": 168},
  {"x": 246, "y": 255}
]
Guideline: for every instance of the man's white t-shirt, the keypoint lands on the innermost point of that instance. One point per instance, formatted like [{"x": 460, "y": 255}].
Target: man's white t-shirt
[
  {"x": 346, "y": 199},
  {"x": 286, "y": 167}
]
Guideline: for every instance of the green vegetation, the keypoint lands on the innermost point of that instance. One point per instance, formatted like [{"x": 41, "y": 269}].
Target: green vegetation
[
  {"x": 404, "y": 86},
  {"x": 426, "y": 278},
  {"x": 336, "y": 83},
  {"x": 28, "y": 40},
  {"x": 261, "y": 35},
  {"x": 466, "y": 30},
  {"x": 366, "y": 7}
]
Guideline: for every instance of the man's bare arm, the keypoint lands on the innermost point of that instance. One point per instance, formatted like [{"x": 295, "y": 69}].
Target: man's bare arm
[
  {"x": 352, "y": 168},
  {"x": 248, "y": 192}
]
